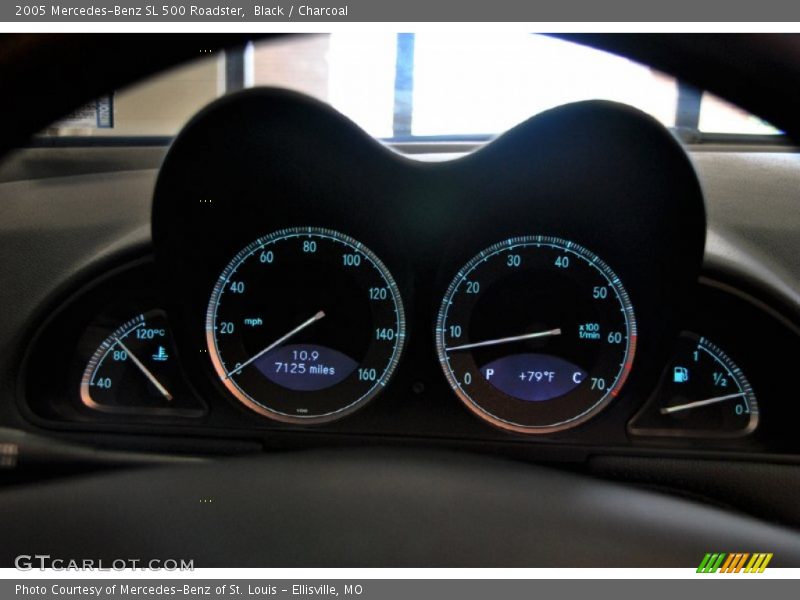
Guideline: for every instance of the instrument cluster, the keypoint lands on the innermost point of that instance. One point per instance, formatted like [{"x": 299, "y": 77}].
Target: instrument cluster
[{"x": 307, "y": 280}]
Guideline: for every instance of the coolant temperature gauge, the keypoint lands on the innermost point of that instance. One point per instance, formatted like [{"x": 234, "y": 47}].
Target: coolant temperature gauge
[
  {"x": 134, "y": 371},
  {"x": 702, "y": 393}
]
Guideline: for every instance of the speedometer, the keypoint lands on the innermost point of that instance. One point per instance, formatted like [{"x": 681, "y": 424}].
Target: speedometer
[
  {"x": 305, "y": 325},
  {"x": 536, "y": 334}
]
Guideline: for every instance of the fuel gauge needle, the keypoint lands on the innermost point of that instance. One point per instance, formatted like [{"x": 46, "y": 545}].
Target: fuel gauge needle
[
  {"x": 697, "y": 404},
  {"x": 145, "y": 370},
  {"x": 506, "y": 340},
  {"x": 277, "y": 343}
]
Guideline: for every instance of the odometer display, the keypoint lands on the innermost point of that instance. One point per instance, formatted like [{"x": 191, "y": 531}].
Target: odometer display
[
  {"x": 536, "y": 334},
  {"x": 305, "y": 325}
]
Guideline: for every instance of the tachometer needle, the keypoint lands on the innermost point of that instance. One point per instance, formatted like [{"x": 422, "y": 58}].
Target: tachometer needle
[
  {"x": 277, "y": 343},
  {"x": 689, "y": 405},
  {"x": 145, "y": 370},
  {"x": 506, "y": 340}
]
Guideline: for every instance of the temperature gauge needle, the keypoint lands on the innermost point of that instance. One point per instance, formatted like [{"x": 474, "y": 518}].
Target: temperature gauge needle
[
  {"x": 697, "y": 404},
  {"x": 145, "y": 370},
  {"x": 506, "y": 340},
  {"x": 277, "y": 343}
]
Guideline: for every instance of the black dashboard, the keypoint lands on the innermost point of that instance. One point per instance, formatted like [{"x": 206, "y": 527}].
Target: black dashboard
[
  {"x": 584, "y": 256},
  {"x": 543, "y": 296}
]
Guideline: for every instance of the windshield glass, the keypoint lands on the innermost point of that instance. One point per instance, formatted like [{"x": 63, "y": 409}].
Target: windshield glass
[{"x": 415, "y": 86}]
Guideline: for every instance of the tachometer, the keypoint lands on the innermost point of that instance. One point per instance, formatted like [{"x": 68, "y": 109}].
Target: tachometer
[
  {"x": 305, "y": 325},
  {"x": 536, "y": 334}
]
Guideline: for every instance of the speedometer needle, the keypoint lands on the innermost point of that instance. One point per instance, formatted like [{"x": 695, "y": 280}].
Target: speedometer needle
[
  {"x": 147, "y": 373},
  {"x": 277, "y": 343},
  {"x": 689, "y": 405},
  {"x": 506, "y": 340}
]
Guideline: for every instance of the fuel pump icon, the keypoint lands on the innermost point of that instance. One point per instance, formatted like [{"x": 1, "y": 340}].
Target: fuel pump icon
[{"x": 680, "y": 375}]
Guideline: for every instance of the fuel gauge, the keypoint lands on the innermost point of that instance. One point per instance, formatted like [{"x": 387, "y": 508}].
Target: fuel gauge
[
  {"x": 133, "y": 371},
  {"x": 702, "y": 393}
]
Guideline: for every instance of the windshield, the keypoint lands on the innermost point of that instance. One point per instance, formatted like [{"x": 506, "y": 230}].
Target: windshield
[{"x": 423, "y": 86}]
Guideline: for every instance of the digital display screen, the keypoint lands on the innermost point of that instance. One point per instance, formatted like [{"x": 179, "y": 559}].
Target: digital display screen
[
  {"x": 533, "y": 377},
  {"x": 306, "y": 367}
]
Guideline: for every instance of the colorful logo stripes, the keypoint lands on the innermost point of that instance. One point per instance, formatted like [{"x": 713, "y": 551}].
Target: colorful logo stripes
[{"x": 738, "y": 562}]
